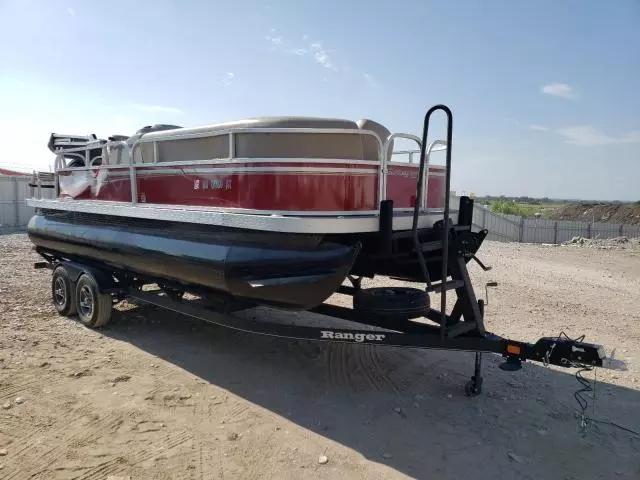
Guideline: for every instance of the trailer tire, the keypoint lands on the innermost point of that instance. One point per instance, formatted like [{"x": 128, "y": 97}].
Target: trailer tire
[
  {"x": 94, "y": 308},
  {"x": 63, "y": 292},
  {"x": 401, "y": 303}
]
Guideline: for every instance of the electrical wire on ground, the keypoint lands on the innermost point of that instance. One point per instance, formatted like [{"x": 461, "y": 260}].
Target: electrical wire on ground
[{"x": 589, "y": 387}]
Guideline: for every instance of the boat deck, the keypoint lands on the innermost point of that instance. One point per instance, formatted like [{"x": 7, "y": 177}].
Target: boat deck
[{"x": 289, "y": 222}]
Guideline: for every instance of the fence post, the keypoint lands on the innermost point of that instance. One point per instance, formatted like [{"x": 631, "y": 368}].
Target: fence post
[
  {"x": 589, "y": 230},
  {"x": 521, "y": 229},
  {"x": 555, "y": 232},
  {"x": 16, "y": 205},
  {"x": 620, "y": 230},
  {"x": 484, "y": 218}
]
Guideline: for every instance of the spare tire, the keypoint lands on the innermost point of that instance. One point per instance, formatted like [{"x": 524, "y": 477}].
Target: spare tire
[{"x": 401, "y": 303}]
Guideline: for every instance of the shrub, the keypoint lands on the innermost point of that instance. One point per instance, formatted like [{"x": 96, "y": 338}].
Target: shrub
[{"x": 507, "y": 207}]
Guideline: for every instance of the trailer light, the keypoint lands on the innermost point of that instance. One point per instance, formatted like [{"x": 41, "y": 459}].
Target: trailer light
[{"x": 513, "y": 349}]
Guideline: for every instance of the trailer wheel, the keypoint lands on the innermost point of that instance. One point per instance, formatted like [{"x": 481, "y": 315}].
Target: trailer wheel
[
  {"x": 94, "y": 308},
  {"x": 63, "y": 292},
  {"x": 472, "y": 388},
  {"x": 391, "y": 302}
]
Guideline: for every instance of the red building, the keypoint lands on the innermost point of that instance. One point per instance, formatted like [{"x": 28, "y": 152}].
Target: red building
[{"x": 12, "y": 173}]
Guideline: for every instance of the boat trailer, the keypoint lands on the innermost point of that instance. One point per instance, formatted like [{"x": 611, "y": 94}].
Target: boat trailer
[
  {"x": 90, "y": 289},
  {"x": 558, "y": 351}
]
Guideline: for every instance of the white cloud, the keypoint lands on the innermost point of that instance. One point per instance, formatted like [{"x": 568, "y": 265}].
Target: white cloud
[
  {"x": 321, "y": 56},
  {"x": 228, "y": 78},
  {"x": 158, "y": 109},
  {"x": 71, "y": 11},
  {"x": 314, "y": 50},
  {"x": 588, "y": 136},
  {"x": 585, "y": 135},
  {"x": 299, "y": 51},
  {"x": 558, "y": 90},
  {"x": 274, "y": 40}
]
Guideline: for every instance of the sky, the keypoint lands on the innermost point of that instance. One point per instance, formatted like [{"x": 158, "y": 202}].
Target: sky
[{"x": 545, "y": 95}]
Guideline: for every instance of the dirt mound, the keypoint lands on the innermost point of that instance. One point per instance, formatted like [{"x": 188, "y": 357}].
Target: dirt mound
[
  {"x": 604, "y": 244},
  {"x": 628, "y": 213}
]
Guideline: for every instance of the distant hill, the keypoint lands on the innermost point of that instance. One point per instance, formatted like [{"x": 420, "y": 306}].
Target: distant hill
[
  {"x": 554, "y": 209},
  {"x": 628, "y": 213}
]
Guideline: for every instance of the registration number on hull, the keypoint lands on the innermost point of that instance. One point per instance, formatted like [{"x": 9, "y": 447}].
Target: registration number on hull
[{"x": 215, "y": 184}]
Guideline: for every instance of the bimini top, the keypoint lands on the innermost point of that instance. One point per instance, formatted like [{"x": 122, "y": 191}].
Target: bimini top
[{"x": 260, "y": 137}]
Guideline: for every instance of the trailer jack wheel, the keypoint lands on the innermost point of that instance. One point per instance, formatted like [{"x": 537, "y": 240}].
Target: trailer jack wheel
[{"x": 473, "y": 387}]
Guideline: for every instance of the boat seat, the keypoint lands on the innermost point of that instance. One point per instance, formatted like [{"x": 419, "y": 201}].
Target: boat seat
[
  {"x": 370, "y": 146},
  {"x": 268, "y": 145}
]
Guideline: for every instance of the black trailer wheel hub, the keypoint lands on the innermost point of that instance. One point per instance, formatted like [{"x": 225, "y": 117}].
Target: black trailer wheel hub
[
  {"x": 94, "y": 306},
  {"x": 86, "y": 301},
  {"x": 59, "y": 292}
]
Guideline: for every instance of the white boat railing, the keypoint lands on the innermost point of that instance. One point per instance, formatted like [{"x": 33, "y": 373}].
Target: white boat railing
[{"x": 129, "y": 151}]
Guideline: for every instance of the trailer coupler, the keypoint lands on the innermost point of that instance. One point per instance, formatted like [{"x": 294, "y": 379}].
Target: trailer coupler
[{"x": 560, "y": 351}]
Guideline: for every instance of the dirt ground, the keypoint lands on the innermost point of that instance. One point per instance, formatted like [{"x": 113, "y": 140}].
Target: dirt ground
[{"x": 156, "y": 396}]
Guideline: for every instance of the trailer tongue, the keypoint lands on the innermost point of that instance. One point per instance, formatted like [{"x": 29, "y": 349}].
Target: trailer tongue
[{"x": 560, "y": 351}]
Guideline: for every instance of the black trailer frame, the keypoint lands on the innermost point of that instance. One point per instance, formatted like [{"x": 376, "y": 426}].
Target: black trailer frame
[
  {"x": 408, "y": 334},
  {"x": 454, "y": 246}
]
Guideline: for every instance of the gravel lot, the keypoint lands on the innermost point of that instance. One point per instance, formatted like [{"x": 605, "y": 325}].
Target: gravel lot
[{"x": 157, "y": 396}]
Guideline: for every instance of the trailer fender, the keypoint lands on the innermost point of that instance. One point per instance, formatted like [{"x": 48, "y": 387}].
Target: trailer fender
[{"x": 105, "y": 281}]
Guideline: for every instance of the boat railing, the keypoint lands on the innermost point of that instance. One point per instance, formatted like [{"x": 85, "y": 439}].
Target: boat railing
[
  {"x": 40, "y": 181},
  {"x": 435, "y": 146},
  {"x": 131, "y": 150},
  {"x": 156, "y": 137}
]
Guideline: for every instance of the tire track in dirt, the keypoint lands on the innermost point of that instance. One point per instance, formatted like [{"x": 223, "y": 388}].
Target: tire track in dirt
[
  {"x": 338, "y": 375},
  {"x": 200, "y": 410},
  {"x": 13, "y": 390},
  {"x": 362, "y": 367},
  {"x": 374, "y": 361},
  {"x": 235, "y": 413},
  {"x": 124, "y": 464},
  {"x": 87, "y": 433}
]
